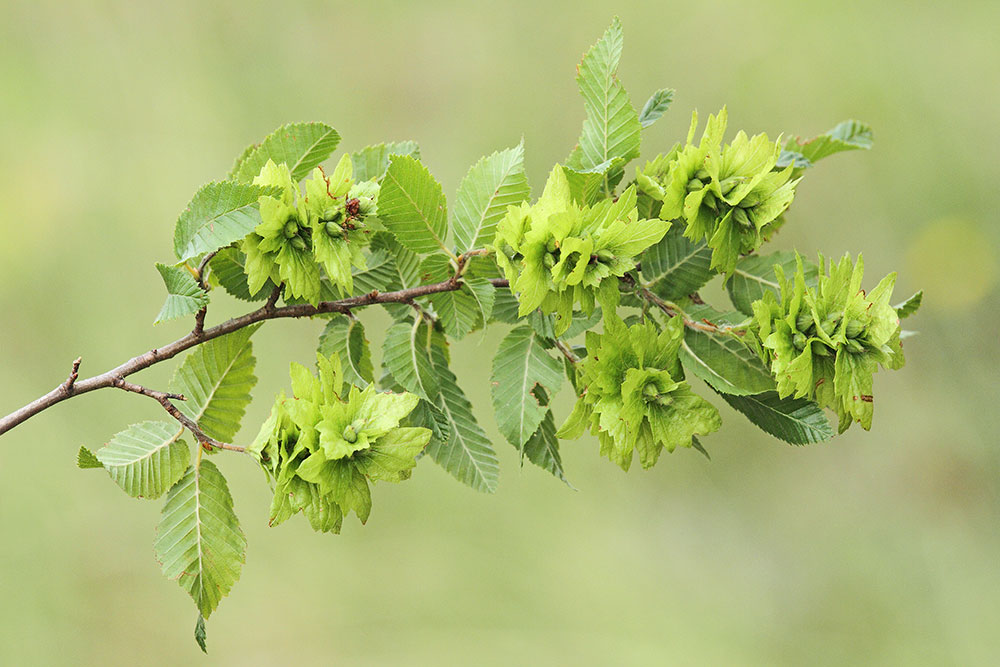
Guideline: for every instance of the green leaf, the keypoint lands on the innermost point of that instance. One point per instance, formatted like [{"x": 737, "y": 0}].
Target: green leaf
[
  {"x": 406, "y": 263},
  {"x": 184, "y": 296},
  {"x": 468, "y": 454},
  {"x": 850, "y": 135},
  {"x": 795, "y": 420},
  {"x": 542, "y": 448},
  {"x": 228, "y": 270},
  {"x": 522, "y": 364},
  {"x": 86, "y": 459},
  {"x": 585, "y": 185},
  {"x": 199, "y": 542},
  {"x": 910, "y": 306},
  {"x": 492, "y": 184},
  {"x": 199, "y": 634},
  {"x": 301, "y": 146},
  {"x": 406, "y": 356},
  {"x": 216, "y": 379},
  {"x": 656, "y": 106},
  {"x": 217, "y": 215},
  {"x": 461, "y": 310},
  {"x": 612, "y": 126},
  {"x": 345, "y": 336},
  {"x": 676, "y": 267},
  {"x": 372, "y": 161},
  {"x": 725, "y": 363},
  {"x": 412, "y": 206},
  {"x": 755, "y": 275},
  {"x": 234, "y": 172},
  {"x": 146, "y": 459}
]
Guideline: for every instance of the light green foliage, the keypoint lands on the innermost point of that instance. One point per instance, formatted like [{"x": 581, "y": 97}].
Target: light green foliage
[
  {"x": 624, "y": 264},
  {"x": 218, "y": 214},
  {"x": 412, "y": 205},
  {"x": 146, "y": 459},
  {"x": 216, "y": 379},
  {"x": 199, "y": 541},
  {"x": 557, "y": 253},
  {"x": 299, "y": 146},
  {"x": 492, "y": 184},
  {"x": 850, "y": 135},
  {"x": 676, "y": 267},
  {"x": 826, "y": 342},
  {"x": 755, "y": 274},
  {"x": 345, "y": 337},
  {"x": 371, "y": 162},
  {"x": 634, "y": 395},
  {"x": 910, "y": 306},
  {"x": 725, "y": 362},
  {"x": 521, "y": 365},
  {"x": 730, "y": 196},
  {"x": 322, "y": 447},
  {"x": 612, "y": 127},
  {"x": 184, "y": 295},
  {"x": 86, "y": 459},
  {"x": 299, "y": 233},
  {"x": 656, "y": 106}
]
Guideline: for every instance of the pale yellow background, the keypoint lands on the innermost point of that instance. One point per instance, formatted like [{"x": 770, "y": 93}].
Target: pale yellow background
[{"x": 877, "y": 548}]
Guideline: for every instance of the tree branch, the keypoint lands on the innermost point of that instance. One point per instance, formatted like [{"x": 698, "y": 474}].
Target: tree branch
[
  {"x": 74, "y": 387},
  {"x": 163, "y": 398}
]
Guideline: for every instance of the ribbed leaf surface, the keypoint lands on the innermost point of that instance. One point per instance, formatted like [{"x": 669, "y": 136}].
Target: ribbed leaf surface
[
  {"x": 676, "y": 266},
  {"x": 346, "y": 337},
  {"x": 521, "y": 365},
  {"x": 229, "y": 271},
  {"x": 612, "y": 126},
  {"x": 146, "y": 459},
  {"x": 372, "y": 161},
  {"x": 217, "y": 215},
  {"x": 492, "y": 184},
  {"x": 795, "y": 420},
  {"x": 468, "y": 454},
  {"x": 725, "y": 362},
  {"x": 184, "y": 296},
  {"x": 406, "y": 356},
  {"x": 301, "y": 146},
  {"x": 412, "y": 206},
  {"x": 216, "y": 379},
  {"x": 755, "y": 275},
  {"x": 542, "y": 448},
  {"x": 199, "y": 542},
  {"x": 656, "y": 106}
]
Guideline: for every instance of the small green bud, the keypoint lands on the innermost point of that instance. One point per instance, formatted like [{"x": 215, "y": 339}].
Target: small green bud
[
  {"x": 831, "y": 321},
  {"x": 729, "y": 184},
  {"x": 365, "y": 206},
  {"x": 333, "y": 228},
  {"x": 548, "y": 260},
  {"x": 291, "y": 228},
  {"x": 650, "y": 391},
  {"x": 710, "y": 201},
  {"x": 299, "y": 243},
  {"x": 820, "y": 349},
  {"x": 741, "y": 217},
  {"x": 803, "y": 320},
  {"x": 332, "y": 215},
  {"x": 663, "y": 399},
  {"x": 552, "y": 245},
  {"x": 350, "y": 434},
  {"x": 751, "y": 200},
  {"x": 694, "y": 184},
  {"x": 854, "y": 346},
  {"x": 799, "y": 340},
  {"x": 702, "y": 175},
  {"x": 605, "y": 255},
  {"x": 854, "y": 328}
]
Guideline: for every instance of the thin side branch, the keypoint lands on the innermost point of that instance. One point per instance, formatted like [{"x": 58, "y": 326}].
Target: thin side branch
[
  {"x": 75, "y": 387},
  {"x": 164, "y": 398}
]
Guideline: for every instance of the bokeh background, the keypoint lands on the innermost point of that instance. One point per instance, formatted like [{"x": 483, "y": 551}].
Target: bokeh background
[{"x": 875, "y": 548}]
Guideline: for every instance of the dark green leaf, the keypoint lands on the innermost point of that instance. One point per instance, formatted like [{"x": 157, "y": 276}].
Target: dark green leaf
[
  {"x": 850, "y": 135},
  {"x": 725, "y": 363},
  {"x": 521, "y": 364},
  {"x": 372, "y": 161},
  {"x": 676, "y": 267},
  {"x": 755, "y": 275},
  {"x": 795, "y": 420},
  {"x": 345, "y": 336},
  {"x": 217, "y": 215},
  {"x": 412, "y": 206},
  {"x": 492, "y": 184},
  {"x": 910, "y": 306},
  {"x": 184, "y": 296},
  {"x": 86, "y": 459},
  {"x": 656, "y": 106}
]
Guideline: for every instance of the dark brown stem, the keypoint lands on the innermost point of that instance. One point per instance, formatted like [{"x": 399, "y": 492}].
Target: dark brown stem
[
  {"x": 163, "y": 398},
  {"x": 268, "y": 312}
]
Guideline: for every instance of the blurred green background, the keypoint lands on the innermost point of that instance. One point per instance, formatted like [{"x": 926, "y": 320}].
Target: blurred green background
[{"x": 876, "y": 548}]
